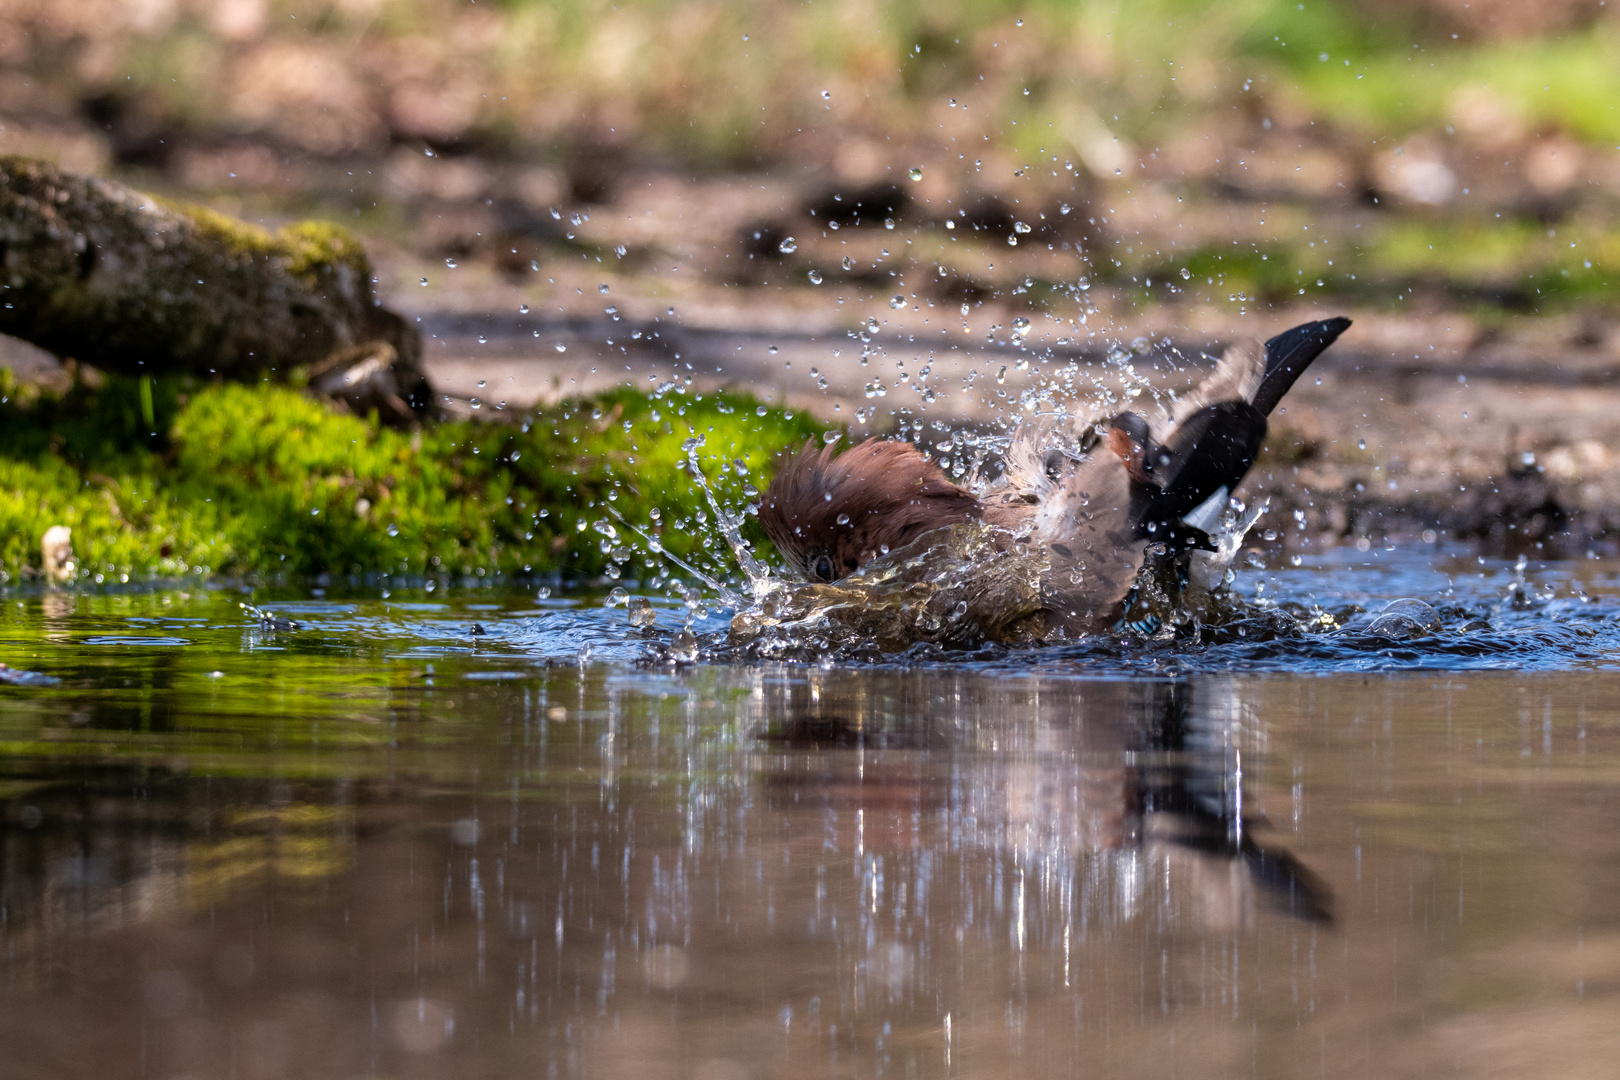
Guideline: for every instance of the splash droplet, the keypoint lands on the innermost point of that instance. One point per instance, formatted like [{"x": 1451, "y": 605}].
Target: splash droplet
[
  {"x": 641, "y": 613},
  {"x": 451, "y": 263},
  {"x": 897, "y": 301},
  {"x": 788, "y": 245},
  {"x": 815, "y": 277},
  {"x": 1020, "y": 327},
  {"x": 914, "y": 172}
]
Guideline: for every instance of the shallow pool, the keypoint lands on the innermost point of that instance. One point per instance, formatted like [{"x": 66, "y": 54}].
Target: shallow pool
[{"x": 473, "y": 833}]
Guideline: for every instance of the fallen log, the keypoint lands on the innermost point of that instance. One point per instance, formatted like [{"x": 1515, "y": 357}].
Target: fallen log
[{"x": 129, "y": 282}]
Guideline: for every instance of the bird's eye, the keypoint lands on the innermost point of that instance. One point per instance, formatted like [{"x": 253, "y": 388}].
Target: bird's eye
[{"x": 821, "y": 567}]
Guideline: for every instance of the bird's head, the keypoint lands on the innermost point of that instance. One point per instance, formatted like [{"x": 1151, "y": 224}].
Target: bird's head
[{"x": 829, "y": 513}]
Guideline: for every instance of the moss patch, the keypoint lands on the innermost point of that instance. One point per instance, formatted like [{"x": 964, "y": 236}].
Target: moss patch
[{"x": 263, "y": 481}]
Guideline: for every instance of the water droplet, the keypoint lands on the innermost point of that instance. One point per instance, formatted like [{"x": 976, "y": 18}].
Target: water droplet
[
  {"x": 561, "y": 347},
  {"x": 1065, "y": 208},
  {"x": 393, "y": 530},
  {"x": 619, "y": 250},
  {"x": 815, "y": 277},
  {"x": 872, "y": 326},
  {"x": 523, "y": 309},
  {"x": 843, "y": 519},
  {"x": 641, "y": 613},
  {"x": 914, "y": 172},
  {"x": 1020, "y": 228},
  {"x": 683, "y": 647},
  {"x": 773, "y": 350},
  {"x": 1020, "y": 327},
  {"x": 826, "y": 95},
  {"x": 897, "y": 301},
  {"x": 451, "y": 263},
  {"x": 482, "y": 384},
  {"x": 424, "y": 282},
  {"x": 1361, "y": 444},
  {"x": 1186, "y": 274},
  {"x": 965, "y": 310},
  {"x": 888, "y": 223},
  {"x": 534, "y": 264},
  {"x": 616, "y": 597},
  {"x": 602, "y": 288},
  {"x": 849, "y": 263},
  {"x": 788, "y": 245},
  {"x": 611, "y": 309},
  {"x": 482, "y": 340},
  {"x": 1083, "y": 284}
]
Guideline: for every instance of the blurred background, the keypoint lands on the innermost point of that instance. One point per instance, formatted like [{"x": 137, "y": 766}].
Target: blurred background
[{"x": 1444, "y": 170}]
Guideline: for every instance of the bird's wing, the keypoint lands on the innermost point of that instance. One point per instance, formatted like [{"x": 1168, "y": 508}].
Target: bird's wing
[
  {"x": 1237, "y": 377},
  {"x": 1037, "y": 457}
]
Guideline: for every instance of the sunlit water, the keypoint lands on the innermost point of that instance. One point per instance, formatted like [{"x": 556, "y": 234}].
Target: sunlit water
[{"x": 486, "y": 835}]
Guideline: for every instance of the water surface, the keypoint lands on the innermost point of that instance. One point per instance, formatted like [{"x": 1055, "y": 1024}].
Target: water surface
[{"x": 472, "y": 833}]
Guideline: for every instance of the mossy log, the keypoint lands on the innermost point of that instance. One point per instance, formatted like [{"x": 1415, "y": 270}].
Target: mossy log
[{"x": 132, "y": 283}]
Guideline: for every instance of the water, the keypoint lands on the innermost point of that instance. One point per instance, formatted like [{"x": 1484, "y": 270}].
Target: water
[{"x": 478, "y": 834}]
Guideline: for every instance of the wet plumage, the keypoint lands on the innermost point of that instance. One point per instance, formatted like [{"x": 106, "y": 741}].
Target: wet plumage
[{"x": 1092, "y": 495}]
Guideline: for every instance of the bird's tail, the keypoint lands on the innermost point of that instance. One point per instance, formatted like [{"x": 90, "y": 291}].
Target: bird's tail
[{"x": 1289, "y": 354}]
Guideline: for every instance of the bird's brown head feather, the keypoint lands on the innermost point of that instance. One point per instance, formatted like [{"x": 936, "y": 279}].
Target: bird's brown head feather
[{"x": 829, "y": 514}]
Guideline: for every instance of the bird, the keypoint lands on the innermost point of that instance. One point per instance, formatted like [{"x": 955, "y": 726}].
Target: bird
[{"x": 1106, "y": 501}]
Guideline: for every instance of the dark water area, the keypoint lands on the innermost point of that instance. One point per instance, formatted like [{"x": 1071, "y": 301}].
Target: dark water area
[{"x": 472, "y": 833}]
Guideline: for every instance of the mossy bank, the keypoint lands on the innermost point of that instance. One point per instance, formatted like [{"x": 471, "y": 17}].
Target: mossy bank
[{"x": 266, "y": 483}]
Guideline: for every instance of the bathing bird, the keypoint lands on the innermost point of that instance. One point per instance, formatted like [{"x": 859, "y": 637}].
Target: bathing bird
[{"x": 1099, "y": 496}]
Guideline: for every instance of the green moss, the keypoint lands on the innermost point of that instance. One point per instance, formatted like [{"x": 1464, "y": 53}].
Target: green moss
[
  {"x": 309, "y": 247},
  {"x": 238, "y": 237},
  {"x": 264, "y": 481}
]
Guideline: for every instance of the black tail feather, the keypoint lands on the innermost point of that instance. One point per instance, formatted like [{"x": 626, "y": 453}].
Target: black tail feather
[{"x": 1290, "y": 353}]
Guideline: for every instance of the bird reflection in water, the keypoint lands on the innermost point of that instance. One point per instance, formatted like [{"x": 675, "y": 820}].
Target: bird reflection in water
[{"x": 1111, "y": 780}]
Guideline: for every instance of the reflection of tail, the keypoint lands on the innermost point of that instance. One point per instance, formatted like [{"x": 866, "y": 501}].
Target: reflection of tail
[
  {"x": 1291, "y": 886},
  {"x": 1231, "y": 870}
]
